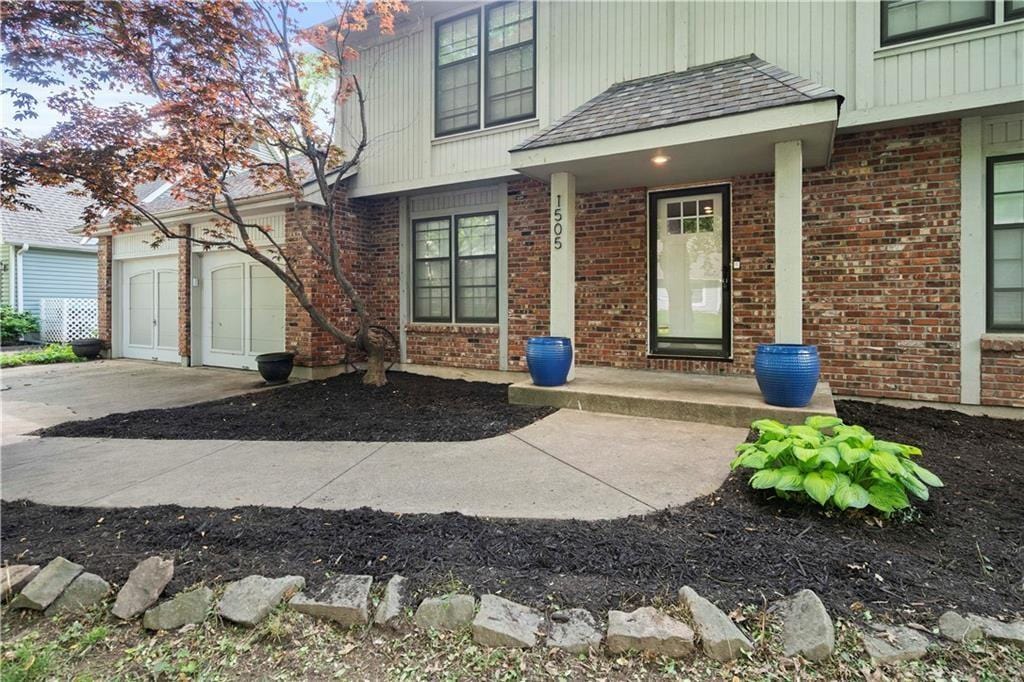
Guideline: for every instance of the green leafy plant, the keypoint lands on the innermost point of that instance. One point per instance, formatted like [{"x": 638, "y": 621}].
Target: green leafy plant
[
  {"x": 55, "y": 352},
  {"x": 834, "y": 464},
  {"x": 14, "y": 325}
]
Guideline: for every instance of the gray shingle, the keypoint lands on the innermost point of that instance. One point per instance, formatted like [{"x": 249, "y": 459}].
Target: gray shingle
[
  {"x": 59, "y": 211},
  {"x": 733, "y": 86}
]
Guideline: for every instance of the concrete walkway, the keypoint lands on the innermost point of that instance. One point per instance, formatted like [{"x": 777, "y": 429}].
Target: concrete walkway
[{"x": 569, "y": 465}]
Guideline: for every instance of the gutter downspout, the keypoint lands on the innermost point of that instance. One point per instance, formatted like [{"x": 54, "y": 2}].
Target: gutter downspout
[{"x": 18, "y": 263}]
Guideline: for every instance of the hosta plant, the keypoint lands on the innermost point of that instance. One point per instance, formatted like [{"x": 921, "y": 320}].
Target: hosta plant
[{"x": 834, "y": 464}]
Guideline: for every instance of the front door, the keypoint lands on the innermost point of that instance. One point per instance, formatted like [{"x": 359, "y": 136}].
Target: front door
[{"x": 689, "y": 272}]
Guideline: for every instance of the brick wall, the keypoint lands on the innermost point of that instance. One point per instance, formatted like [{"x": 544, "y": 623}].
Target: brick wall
[
  {"x": 881, "y": 259},
  {"x": 185, "y": 293},
  {"x": 1002, "y": 371},
  {"x": 368, "y": 234},
  {"x": 474, "y": 346},
  {"x": 104, "y": 306}
]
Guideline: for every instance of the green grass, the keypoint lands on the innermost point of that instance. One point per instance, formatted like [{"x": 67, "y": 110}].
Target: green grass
[{"x": 55, "y": 352}]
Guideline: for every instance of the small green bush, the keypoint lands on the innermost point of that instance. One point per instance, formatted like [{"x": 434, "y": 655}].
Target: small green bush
[
  {"x": 14, "y": 325},
  {"x": 55, "y": 352},
  {"x": 834, "y": 464}
]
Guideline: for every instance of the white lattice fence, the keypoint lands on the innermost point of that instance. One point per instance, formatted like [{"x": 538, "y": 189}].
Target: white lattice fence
[{"x": 65, "y": 319}]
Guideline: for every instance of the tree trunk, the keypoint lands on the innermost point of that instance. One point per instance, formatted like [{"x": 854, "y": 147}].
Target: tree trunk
[{"x": 375, "y": 364}]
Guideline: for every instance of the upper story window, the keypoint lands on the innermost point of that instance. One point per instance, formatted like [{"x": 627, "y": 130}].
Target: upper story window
[
  {"x": 1006, "y": 243},
  {"x": 508, "y": 90},
  {"x": 904, "y": 20},
  {"x": 1013, "y": 9}
]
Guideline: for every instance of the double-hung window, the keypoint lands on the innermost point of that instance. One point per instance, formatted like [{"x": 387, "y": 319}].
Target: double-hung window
[
  {"x": 504, "y": 58},
  {"x": 1006, "y": 243},
  {"x": 455, "y": 269},
  {"x": 904, "y": 20}
]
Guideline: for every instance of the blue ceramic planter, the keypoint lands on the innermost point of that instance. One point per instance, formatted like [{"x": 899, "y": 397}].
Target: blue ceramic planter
[
  {"x": 787, "y": 373},
  {"x": 549, "y": 359}
]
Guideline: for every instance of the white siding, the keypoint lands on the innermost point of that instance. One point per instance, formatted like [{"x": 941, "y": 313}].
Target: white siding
[{"x": 584, "y": 46}]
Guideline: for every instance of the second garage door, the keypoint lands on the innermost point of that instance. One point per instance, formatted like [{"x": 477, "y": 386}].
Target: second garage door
[{"x": 242, "y": 310}]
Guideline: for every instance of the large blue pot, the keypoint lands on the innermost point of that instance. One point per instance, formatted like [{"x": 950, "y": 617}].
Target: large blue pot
[
  {"x": 787, "y": 373},
  {"x": 549, "y": 359}
]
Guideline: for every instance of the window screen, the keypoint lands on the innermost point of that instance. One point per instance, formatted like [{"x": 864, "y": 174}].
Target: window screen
[
  {"x": 457, "y": 80},
  {"x": 432, "y": 270},
  {"x": 510, "y": 62},
  {"x": 904, "y": 20},
  {"x": 477, "y": 268},
  {"x": 1006, "y": 243}
]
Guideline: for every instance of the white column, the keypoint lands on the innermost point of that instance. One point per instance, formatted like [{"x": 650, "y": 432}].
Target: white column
[
  {"x": 972, "y": 258},
  {"x": 789, "y": 242},
  {"x": 563, "y": 256}
]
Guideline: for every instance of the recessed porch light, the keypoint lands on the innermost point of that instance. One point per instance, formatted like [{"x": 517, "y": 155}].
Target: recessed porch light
[{"x": 659, "y": 160}]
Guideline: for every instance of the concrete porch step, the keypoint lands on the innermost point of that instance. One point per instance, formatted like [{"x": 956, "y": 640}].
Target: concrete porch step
[{"x": 725, "y": 400}]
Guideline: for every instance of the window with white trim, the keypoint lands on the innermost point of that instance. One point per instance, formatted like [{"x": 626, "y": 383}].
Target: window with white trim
[
  {"x": 455, "y": 271},
  {"x": 508, "y": 71}
]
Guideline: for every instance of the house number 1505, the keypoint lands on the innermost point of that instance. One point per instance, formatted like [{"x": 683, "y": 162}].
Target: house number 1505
[{"x": 556, "y": 223}]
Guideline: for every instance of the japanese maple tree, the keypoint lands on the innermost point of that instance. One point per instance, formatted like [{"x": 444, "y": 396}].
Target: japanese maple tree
[{"x": 225, "y": 80}]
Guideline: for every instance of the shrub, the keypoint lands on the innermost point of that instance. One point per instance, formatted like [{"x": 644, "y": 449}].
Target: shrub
[
  {"x": 14, "y": 324},
  {"x": 834, "y": 464},
  {"x": 55, "y": 352}
]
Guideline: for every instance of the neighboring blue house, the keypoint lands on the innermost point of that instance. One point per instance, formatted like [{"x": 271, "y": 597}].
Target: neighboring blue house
[{"x": 40, "y": 257}]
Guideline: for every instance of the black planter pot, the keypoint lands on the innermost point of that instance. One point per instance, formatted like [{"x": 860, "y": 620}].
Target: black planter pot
[
  {"x": 87, "y": 348},
  {"x": 275, "y": 368}
]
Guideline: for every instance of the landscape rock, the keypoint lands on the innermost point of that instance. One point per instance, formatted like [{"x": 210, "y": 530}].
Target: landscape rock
[
  {"x": 955, "y": 627},
  {"x": 504, "y": 623},
  {"x": 894, "y": 645},
  {"x": 182, "y": 609},
  {"x": 144, "y": 585},
  {"x": 451, "y": 612},
  {"x": 249, "y": 600},
  {"x": 344, "y": 599},
  {"x": 719, "y": 637},
  {"x": 575, "y": 630},
  {"x": 389, "y": 611},
  {"x": 14, "y": 578},
  {"x": 84, "y": 592},
  {"x": 1011, "y": 633},
  {"x": 44, "y": 589},
  {"x": 807, "y": 629},
  {"x": 648, "y": 630}
]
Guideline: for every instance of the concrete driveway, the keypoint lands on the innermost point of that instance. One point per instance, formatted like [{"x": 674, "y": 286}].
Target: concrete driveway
[
  {"x": 569, "y": 465},
  {"x": 36, "y": 396}
]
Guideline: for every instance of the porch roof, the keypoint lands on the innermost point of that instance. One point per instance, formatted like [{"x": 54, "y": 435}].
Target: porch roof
[{"x": 711, "y": 121}]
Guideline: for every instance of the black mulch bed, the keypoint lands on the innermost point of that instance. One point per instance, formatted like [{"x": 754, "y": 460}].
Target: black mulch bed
[
  {"x": 963, "y": 550},
  {"x": 417, "y": 408}
]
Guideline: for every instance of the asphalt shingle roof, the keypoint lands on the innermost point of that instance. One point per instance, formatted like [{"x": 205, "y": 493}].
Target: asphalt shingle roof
[
  {"x": 724, "y": 88},
  {"x": 59, "y": 212}
]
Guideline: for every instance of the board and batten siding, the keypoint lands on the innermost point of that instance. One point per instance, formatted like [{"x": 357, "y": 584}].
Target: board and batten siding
[
  {"x": 585, "y": 46},
  {"x": 48, "y": 273}
]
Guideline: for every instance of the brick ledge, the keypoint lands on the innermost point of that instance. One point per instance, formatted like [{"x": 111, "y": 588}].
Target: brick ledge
[
  {"x": 471, "y": 329},
  {"x": 1004, "y": 343}
]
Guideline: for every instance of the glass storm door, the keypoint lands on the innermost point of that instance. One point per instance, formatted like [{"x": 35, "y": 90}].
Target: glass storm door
[{"x": 689, "y": 277}]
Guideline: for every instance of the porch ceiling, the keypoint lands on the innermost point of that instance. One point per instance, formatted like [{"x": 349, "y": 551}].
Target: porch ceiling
[{"x": 709, "y": 149}]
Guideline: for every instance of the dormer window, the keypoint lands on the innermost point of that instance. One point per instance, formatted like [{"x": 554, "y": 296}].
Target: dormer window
[{"x": 508, "y": 90}]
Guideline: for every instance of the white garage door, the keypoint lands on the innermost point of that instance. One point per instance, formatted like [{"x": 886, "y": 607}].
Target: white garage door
[
  {"x": 149, "y": 309},
  {"x": 242, "y": 311}
]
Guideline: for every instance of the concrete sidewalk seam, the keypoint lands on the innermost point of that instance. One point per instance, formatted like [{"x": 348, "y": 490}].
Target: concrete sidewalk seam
[
  {"x": 95, "y": 441},
  {"x": 584, "y": 472},
  {"x": 159, "y": 473},
  {"x": 350, "y": 468}
]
